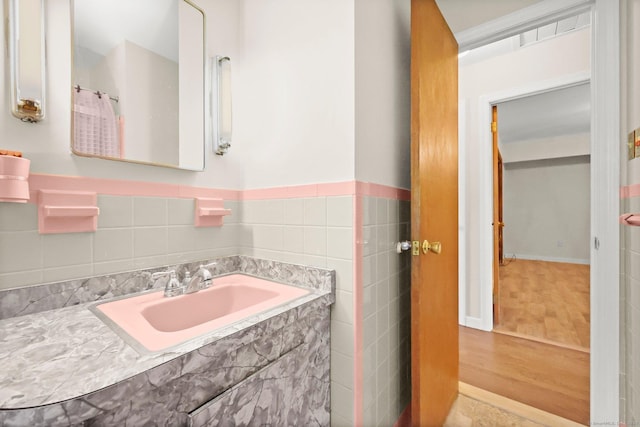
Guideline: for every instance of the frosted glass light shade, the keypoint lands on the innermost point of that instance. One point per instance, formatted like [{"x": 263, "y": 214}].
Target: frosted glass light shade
[
  {"x": 27, "y": 58},
  {"x": 222, "y": 140}
]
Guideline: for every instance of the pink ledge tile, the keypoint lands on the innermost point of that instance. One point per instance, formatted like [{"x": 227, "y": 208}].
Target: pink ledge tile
[
  {"x": 347, "y": 188},
  {"x": 633, "y": 190}
]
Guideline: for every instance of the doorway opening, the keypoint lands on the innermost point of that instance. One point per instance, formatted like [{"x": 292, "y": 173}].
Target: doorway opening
[
  {"x": 542, "y": 212},
  {"x": 536, "y": 166}
]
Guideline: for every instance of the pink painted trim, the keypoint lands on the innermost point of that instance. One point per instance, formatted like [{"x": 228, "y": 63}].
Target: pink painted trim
[
  {"x": 405, "y": 418},
  {"x": 358, "y": 290},
  {"x": 117, "y": 187},
  {"x": 629, "y": 191}
]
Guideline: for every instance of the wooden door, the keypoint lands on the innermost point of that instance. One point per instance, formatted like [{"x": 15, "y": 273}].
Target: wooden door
[
  {"x": 497, "y": 221},
  {"x": 500, "y": 212},
  {"x": 434, "y": 214}
]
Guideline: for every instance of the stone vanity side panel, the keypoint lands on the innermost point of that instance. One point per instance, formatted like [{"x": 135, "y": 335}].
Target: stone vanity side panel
[
  {"x": 166, "y": 394},
  {"x": 294, "y": 390},
  {"x": 50, "y": 296}
]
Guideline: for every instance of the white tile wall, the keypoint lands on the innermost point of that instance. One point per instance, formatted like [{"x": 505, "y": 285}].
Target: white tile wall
[
  {"x": 133, "y": 232},
  {"x": 315, "y": 231},
  {"x": 630, "y": 317},
  {"x": 386, "y": 333}
]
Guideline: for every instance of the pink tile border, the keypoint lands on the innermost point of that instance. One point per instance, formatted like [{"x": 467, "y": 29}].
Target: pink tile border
[
  {"x": 117, "y": 187},
  {"x": 629, "y": 191},
  {"x": 378, "y": 190}
]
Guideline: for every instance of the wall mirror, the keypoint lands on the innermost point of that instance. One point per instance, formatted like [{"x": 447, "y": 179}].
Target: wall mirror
[{"x": 138, "y": 90}]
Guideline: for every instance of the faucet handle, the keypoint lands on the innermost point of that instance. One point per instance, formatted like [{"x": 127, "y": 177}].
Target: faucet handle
[
  {"x": 211, "y": 264},
  {"x": 159, "y": 274},
  {"x": 207, "y": 277}
]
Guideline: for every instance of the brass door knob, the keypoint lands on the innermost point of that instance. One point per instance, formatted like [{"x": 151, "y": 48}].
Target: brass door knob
[{"x": 434, "y": 247}]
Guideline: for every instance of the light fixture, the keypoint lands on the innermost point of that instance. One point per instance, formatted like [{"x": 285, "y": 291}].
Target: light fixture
[
  {"x": 222, "y": 133},
  {"x": 27, "y": 57}
]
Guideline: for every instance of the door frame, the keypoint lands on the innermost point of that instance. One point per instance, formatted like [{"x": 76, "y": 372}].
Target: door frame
[
  {"x": 486, "y": 254},
  {"x": 605, "y": 179}
]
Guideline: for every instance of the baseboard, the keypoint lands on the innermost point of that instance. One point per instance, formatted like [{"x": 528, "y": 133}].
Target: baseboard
[
  {"x": 477, "y": 323},
  {"x": 497, "y": 330},
  {"x": 507, "y": 259}
]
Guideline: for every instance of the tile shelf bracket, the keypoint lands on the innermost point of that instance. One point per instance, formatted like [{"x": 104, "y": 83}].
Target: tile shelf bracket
[
  {"x": 67, "y": 211},
  {"x": 210, "y": 212},
  {"x": 630, "y": 219}
]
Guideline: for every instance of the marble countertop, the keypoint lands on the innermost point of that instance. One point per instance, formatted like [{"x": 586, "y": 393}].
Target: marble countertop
[{"x": 61, "y": 354}]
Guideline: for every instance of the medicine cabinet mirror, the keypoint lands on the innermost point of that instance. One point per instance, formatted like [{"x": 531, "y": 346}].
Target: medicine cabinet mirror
[{"x": 139, "y": 81}]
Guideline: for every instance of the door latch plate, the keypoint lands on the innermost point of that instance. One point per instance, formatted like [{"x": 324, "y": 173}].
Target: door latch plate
[{"x": 415, "y": 248}]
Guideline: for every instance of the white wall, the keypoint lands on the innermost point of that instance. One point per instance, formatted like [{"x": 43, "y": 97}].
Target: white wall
[
  {"x": 293, "y": 100},
  {"x": 383, "y": 110},
  {"x": 294, "y": 92},
  {"x": 546, "y": 148},
  {"x": 546, "y": 209},
  {"x": 562, "y": 56}
]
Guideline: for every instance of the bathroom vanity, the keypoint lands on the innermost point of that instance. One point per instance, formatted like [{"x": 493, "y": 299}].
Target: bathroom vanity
[{"x": 62, "y": 365}]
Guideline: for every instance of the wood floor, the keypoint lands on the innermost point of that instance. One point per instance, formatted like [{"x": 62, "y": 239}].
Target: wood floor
[
  {"x": 548, "y": 301},
  {"x": 551, "y": 378}
]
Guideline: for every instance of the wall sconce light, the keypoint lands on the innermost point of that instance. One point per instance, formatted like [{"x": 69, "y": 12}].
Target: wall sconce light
[
  {"x": 27, "y": 58},
  {"x": 222, "y": 134}
]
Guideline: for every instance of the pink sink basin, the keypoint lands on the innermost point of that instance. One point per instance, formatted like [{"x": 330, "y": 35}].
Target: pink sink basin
[{"x": 158, "y": 322}]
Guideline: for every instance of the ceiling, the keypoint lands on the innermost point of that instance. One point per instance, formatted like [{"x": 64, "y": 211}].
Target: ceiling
[
  {"x": 556, "y": 113},
  {"x": 551, "y": 114},
  {"x": 464, "y": 14}
]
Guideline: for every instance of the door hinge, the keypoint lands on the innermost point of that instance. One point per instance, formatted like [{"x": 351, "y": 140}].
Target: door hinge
[{"x": 494, "y": 127}]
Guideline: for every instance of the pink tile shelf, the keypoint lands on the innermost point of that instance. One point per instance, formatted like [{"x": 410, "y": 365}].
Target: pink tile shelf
[
  {"x": 210, "y": 212},
  {"x": 67, "y": 211},
  {"x": 14, "y": 175}
]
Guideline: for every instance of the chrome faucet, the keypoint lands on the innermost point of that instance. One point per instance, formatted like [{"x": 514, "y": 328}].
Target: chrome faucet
[
  {"x": 173, "y": 287},
  {"x": 202, "y": 279}
]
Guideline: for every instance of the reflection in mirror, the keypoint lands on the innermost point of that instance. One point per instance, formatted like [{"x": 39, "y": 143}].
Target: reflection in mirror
[{"x": 138, "y": 81}]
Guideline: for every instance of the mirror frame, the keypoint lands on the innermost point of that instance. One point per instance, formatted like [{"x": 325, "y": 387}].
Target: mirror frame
[{"x": 206, "y": 110}]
